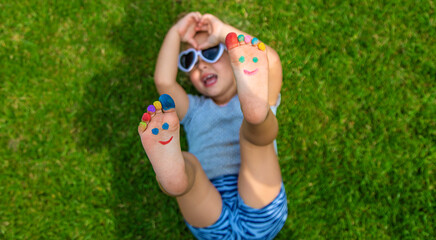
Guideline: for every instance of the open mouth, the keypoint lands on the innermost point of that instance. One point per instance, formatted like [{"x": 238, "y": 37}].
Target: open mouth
[
  {"x": 165, "y": 143},
  {"x": 249, "y": 73},
  {"x": 209, "y": 79}
]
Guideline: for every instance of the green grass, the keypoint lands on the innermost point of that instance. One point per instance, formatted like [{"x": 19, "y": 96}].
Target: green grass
[{"x": 357, "y": 140}]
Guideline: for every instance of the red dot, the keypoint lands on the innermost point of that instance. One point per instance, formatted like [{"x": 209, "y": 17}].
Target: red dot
[
  {"x": 146, "y": 117},
  {"x": 232, "y": 40}
]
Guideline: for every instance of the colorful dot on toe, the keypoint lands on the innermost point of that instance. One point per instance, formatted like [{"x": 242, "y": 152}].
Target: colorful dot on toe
[
  {"x": 151, "y": 108},
  {"x": 248, "y": 39},
  {"x": 241, "y": 59},
  {"x": 142, "y": 126},
  {"x": 155, "y": 131},
  {"x": 167, "y": 102},
  {"x": 146, "y": 117},
  {"x": 261, "y": 46},
  {"x": 231, "y": 40},
  {"x": 165, "y": 126},
  {"x": 255, "y": 59},
  {"x": 157, "y": 105},
  {"x": 241, "y": 38},
  {"x": 255, "y": 41}
]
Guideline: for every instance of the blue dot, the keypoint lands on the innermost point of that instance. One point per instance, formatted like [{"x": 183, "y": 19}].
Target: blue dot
[
  {"x": 167, "y": 102},
  {"x": 241, "y": 59},
  {"x": 255, "y": 59},
  {"x": 155, "y": 131},
  {"x": 165, "y": 126}
]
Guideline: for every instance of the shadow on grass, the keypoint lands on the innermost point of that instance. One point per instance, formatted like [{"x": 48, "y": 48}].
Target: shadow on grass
[{"x": 110, "y": 112}]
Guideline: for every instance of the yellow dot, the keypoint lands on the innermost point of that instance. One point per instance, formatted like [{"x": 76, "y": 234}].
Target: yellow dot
[
  {"x": 157, "y": 105},
  {"x": 261, "y": 46}
]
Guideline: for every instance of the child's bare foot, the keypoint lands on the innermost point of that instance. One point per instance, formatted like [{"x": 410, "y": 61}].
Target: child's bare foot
[
  {"x": 159, "y": 132},
  {"x": 250, "y": 66}
]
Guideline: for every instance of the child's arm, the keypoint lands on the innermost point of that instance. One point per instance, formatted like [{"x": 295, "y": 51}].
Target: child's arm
[
  {"x": 166, "y": 67},
  {"x": 217, "y": 33}
]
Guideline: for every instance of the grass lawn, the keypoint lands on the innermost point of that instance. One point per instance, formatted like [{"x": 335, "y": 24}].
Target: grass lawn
[{"x": 356, "y": 145}]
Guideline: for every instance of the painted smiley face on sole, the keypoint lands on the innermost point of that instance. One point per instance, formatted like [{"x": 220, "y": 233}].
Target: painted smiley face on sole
[
  {"x": 158, "y": 119},
  {"x": 242, "y": 60},
  {"x": 155, "y": 131},
  {"x": 248, "y": 57}
]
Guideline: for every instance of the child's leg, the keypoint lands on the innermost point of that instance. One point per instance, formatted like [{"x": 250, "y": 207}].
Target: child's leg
[
  {"x": 259, "y": 177},
  {"x": 201, "y": 206},
  {"x": 180, "y": 174}
]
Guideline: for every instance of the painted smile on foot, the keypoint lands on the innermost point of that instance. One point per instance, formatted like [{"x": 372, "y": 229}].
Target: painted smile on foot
[
  {"x": 166, "y": 142},
  {"x": 249, "y": 73}
]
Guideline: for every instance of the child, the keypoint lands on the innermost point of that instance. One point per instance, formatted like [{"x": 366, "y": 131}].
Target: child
[{"x": 229, "y": 185}]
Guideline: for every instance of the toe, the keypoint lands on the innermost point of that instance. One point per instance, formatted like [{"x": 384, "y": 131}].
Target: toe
[
  {"x": 247, "y": 39},
  {"x": 144, "y": 122},
  {"x": 261, "y": 46},
  {"x": 146, "y": 117},
  {"x": 167, "y": 102},
  {"x": 241, "y": 38},
  {"x": 157, "y": 105},
  {"x": 232, "y": 40},
  {"x": 254, "y": 41},
  {"x": 142, "y": 127},
  {"x": 151, "y": 109}
]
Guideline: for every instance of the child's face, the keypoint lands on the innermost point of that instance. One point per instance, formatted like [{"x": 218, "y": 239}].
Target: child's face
[{"x": 212, "y": 79}]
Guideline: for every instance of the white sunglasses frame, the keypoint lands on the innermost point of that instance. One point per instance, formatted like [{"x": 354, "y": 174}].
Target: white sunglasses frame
[{"x": 197, "y": 53}]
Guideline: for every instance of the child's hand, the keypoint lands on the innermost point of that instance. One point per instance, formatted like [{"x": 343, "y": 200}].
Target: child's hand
[
  {"x": 213, "y": 26},
  {"x": 186, "y": 28}
]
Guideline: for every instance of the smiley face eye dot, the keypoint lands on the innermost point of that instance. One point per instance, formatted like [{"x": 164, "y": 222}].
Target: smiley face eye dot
[
  {"x": 242, "y": 59},
  {"x": 165, "y": 126},
  {"x": 155, "y": 131},
  {"x": 255, "y": 59}
]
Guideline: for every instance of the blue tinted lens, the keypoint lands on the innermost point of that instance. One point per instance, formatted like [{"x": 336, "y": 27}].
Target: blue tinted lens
[
  {"x": 211, "y": 53},
  {"x": 187, "y": 59}
]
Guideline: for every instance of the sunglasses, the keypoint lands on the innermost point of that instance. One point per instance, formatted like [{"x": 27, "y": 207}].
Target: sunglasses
[{"x": 188, "y": 58}]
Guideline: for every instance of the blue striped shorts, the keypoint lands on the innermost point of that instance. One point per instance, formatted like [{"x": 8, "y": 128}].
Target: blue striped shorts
[{"x": 239, "y": 221}]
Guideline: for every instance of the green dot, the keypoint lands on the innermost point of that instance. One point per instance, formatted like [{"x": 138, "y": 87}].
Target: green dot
[
  {"x": 255, "y": 60},
  {"x": 241, "y": 38},
  {"x": 242, "y": 59}
]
